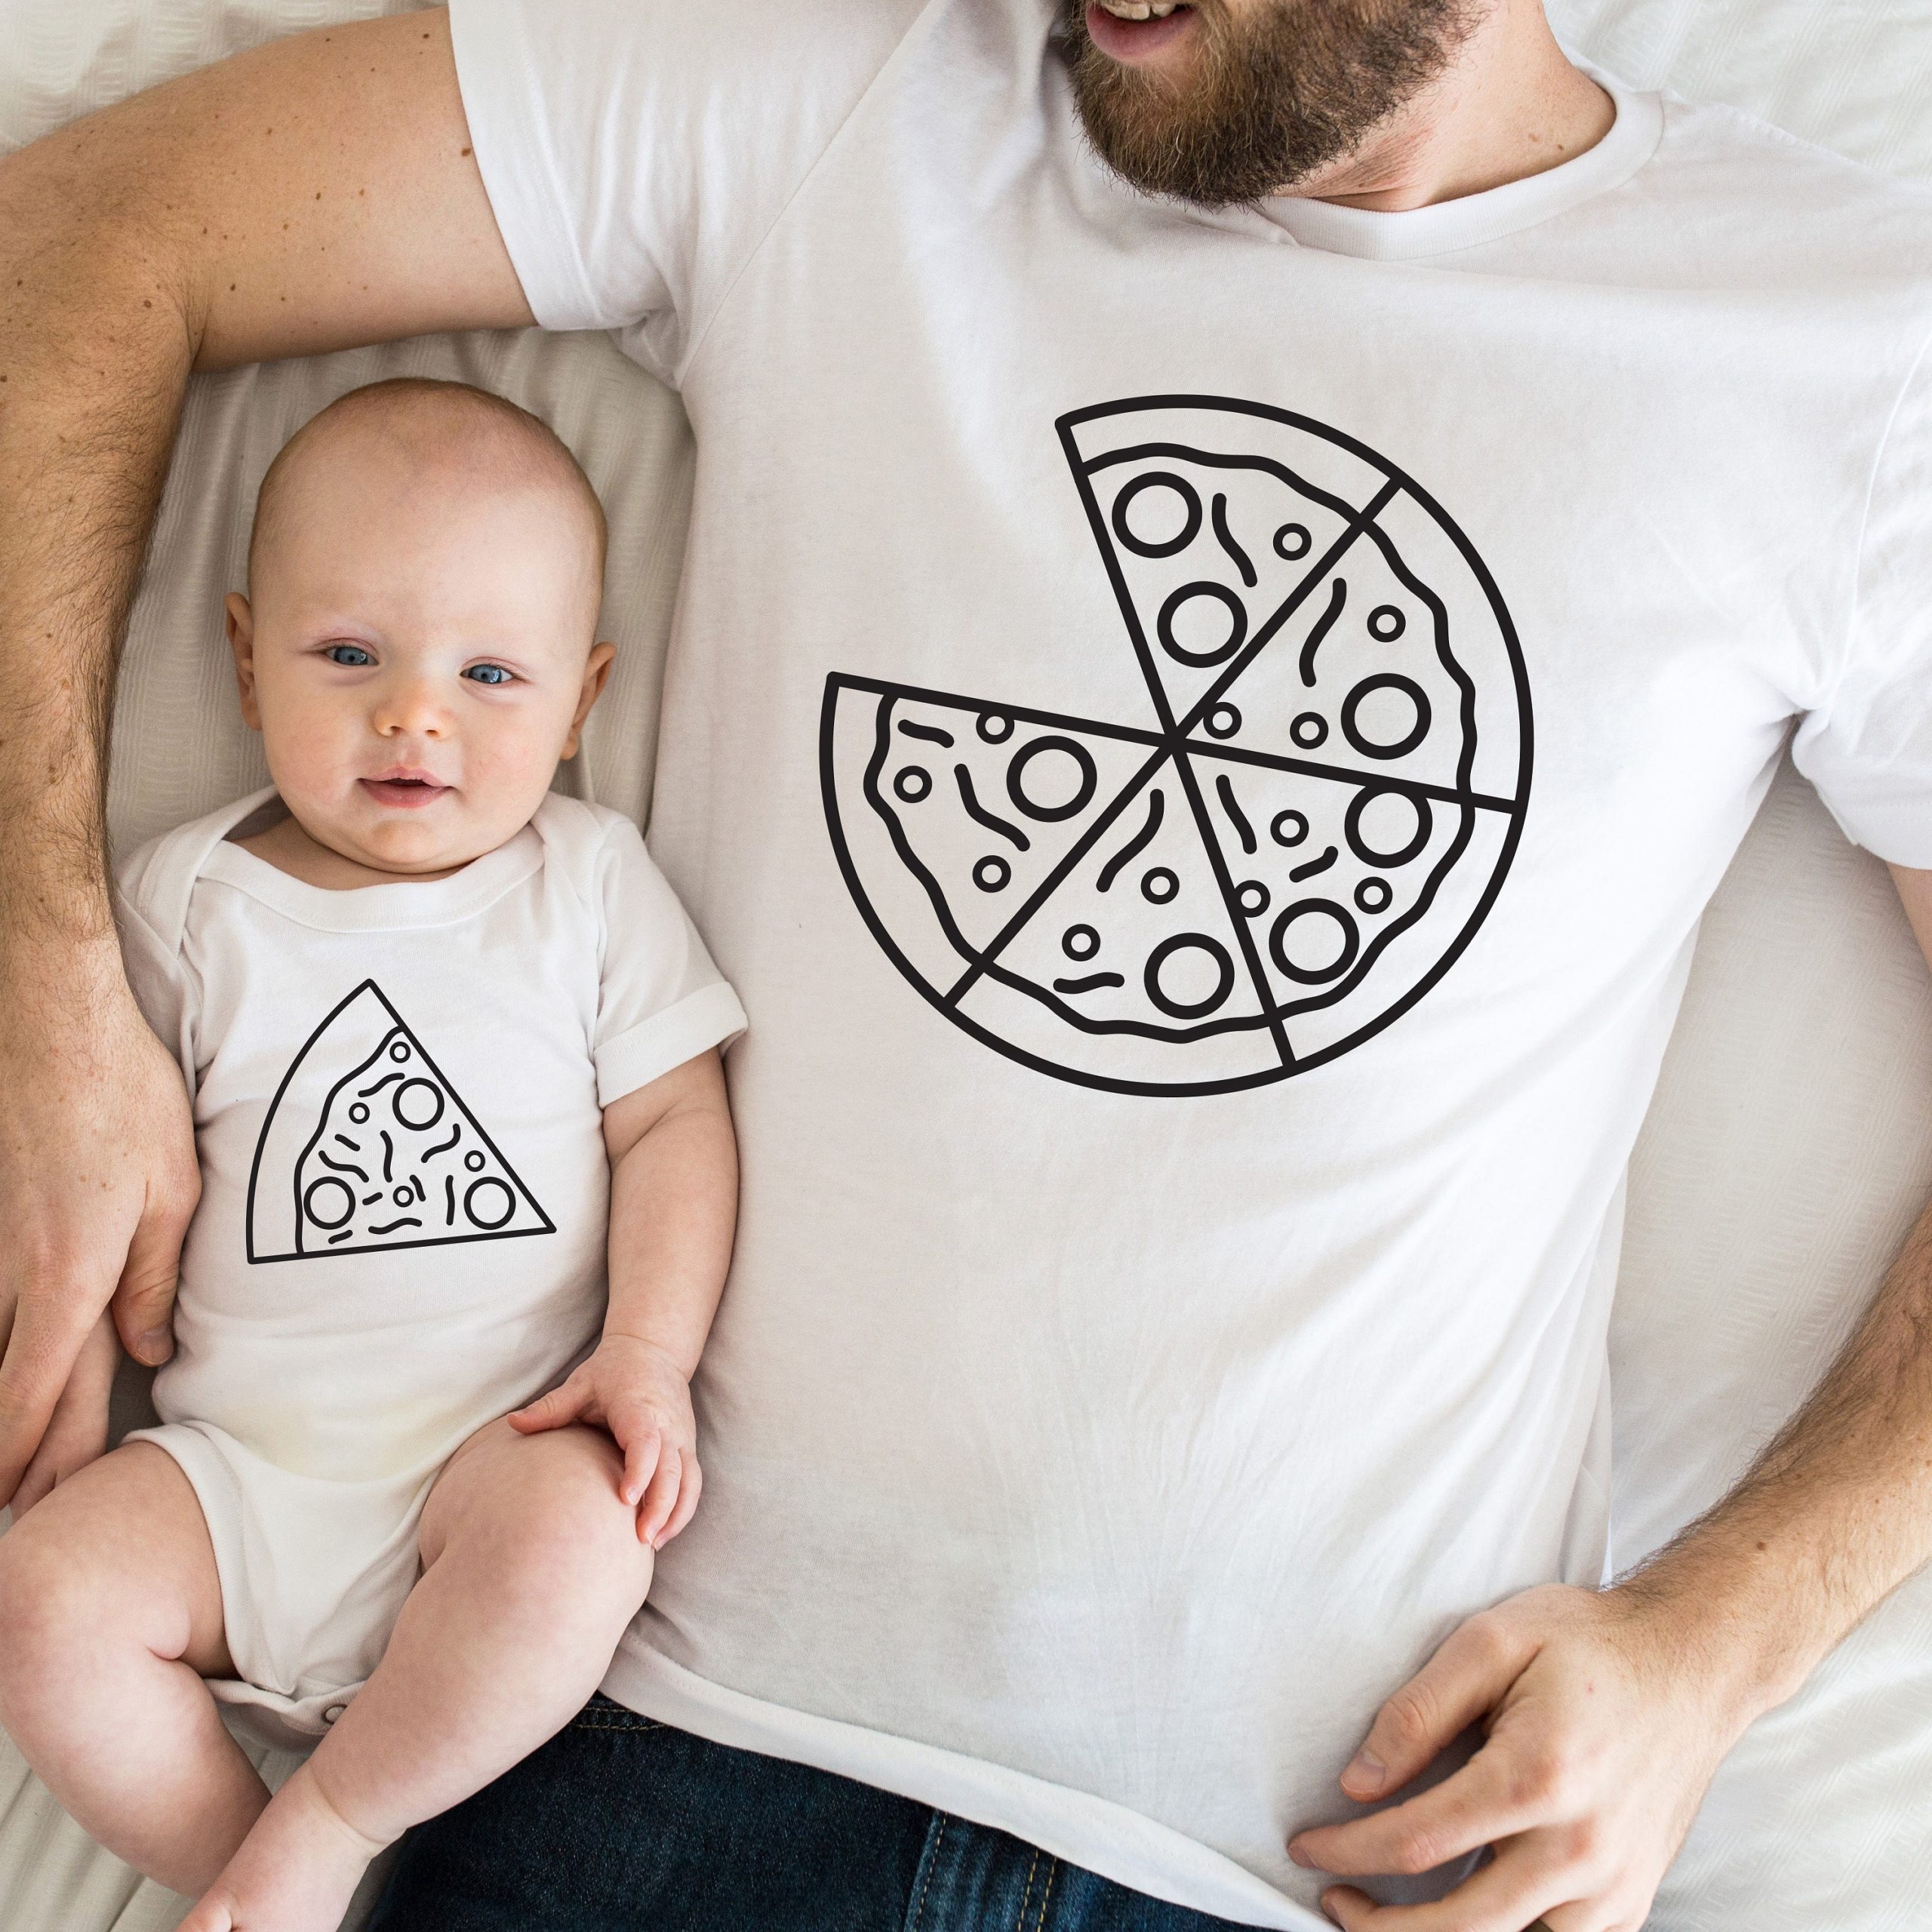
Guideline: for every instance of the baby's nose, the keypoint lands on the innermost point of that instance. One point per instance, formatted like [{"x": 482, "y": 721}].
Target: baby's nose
[{"x": 410, "y": 708}]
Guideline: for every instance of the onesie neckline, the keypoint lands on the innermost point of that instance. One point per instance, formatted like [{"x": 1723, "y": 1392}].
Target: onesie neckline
[{"x": 362, "y": 909}]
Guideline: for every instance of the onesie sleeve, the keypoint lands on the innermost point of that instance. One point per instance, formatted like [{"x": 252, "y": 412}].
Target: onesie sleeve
[
  {"x": 635, "y": 153},
  {"x": 156, "y": 974},
  {"x": 661, "y": 1000},
  {"x": 1867, "y": 745}
]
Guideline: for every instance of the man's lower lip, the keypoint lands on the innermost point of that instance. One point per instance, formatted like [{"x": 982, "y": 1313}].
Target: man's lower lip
[
  {"x": 388, "y": 792},
  {"x": 1133, "y": 41}
]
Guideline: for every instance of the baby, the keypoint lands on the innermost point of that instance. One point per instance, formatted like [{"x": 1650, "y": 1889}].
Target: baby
[{"x": 453, "y": 1051}]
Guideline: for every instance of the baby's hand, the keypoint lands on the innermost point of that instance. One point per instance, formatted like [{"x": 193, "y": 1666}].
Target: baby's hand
[
  {"x": 77, "y": 1433},
  {"x": 641, "y": 1397}
]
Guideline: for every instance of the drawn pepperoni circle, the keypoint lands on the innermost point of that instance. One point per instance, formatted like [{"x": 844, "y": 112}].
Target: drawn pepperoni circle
[
  {"x": 359, "y": 1111},
  {"x": 473, "y": 1159},
  {"x": 1306, "y": 963},
  {"x": 995, "y": 726},
  {"x": 1309, "y": 730},
  {"x": 1372, "y": 895},
  {"x": 1223, "y": 721},
  {"x": 1159, "y": 886},
  {"x": 480, "y": 1203},
  {"x": 1288, "y": 829},
  {"x": 1057, "y": 750},
  {"x": 1292, "y": 542},
  {"x": 1251, "y": 896},
  {"x": 1373, "y": 840},
  {"x": 402, "y": 1196},
  {"x": 407, "y": 1108},
  {"x": 1080, "y": 942},
  {"x": 1215, "y": 652},
  {"x": 912, "y": 783},
  {"x": 1387, "y": 622},
  {"x": 992, "y": 873},
  {"x": 399, "y": 1049},
  {"x": 318, "y": 1203},
  {"x": 1146, "y": 541},
  {"x": 1385, "y": 745},
  {"x": 1187, "y": 946}
]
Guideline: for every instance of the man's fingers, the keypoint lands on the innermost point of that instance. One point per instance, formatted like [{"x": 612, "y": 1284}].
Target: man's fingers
[
  {"x": 1509, "y": 1894},
  {"x": 47, "y": 1336},
  {"x": 1476, "y": 1664},
  {"x": 1490, "y": 1798},
  {"x": 660, "y": 1498},
  {"x": 144, "y": 1301}
]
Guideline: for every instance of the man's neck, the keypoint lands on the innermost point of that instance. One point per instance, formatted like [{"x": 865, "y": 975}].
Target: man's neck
[{"x": 1510, "y": 105}]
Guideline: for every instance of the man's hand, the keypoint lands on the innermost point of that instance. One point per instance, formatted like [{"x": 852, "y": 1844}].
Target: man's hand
[
  {"x": 77, "y": 1434},
  {"x": 97, "y": 1181},
  {"x": 1606, "y": 1718},
  {"x": 636, "y": 1391}
]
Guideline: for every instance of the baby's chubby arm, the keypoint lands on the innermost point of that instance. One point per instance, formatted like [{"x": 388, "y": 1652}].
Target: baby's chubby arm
[{"x": 674, "y": 1202}]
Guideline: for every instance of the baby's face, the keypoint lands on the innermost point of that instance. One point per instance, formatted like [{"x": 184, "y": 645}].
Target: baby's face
[{"x": 419, "y": 651}]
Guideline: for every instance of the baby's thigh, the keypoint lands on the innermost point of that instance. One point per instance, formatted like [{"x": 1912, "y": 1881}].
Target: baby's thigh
[
  {"x": 545, "y": 1505},
  {"x": 118, "y": 1554}
]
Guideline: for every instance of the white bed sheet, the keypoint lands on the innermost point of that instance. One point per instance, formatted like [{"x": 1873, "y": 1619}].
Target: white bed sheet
[{"x": 1791, "y": 1143}]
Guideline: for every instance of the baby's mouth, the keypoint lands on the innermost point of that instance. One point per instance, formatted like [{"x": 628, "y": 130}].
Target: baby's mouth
[{"x": 410, "y": 790}]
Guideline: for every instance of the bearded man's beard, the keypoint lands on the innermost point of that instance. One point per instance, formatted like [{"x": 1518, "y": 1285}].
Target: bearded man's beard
[{"x": 1265, "y": 104}]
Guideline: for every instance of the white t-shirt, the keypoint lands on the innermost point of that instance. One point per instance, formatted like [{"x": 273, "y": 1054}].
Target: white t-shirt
[
  {"x": 398, "y": 1095},
  {"x": 1203, "y": 738}
]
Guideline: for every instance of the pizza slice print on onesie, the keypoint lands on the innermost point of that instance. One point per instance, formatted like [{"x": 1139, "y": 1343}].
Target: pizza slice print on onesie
[
  {"x": 1288, "y": 849},
  {"x": 366, "y": 1145}
]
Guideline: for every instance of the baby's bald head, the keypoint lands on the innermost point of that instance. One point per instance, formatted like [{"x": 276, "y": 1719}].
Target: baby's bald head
[{"x": 441, "y": 435}]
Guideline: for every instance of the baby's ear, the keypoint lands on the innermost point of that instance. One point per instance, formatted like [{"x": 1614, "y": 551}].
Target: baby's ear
[
  {"x": 240, "y": 621},
  {"x": 596, "y": 676}
]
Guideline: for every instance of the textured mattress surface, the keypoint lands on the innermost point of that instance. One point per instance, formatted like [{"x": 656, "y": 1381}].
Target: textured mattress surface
[{"x": 1790, "y": 1145}]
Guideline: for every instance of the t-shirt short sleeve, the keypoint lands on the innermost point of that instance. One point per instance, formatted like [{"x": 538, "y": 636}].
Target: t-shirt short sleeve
[
  {"x": 661, "y": 1000},
  {"x": 1868, "y": 746},
  {"x": 636, "y": 152}
]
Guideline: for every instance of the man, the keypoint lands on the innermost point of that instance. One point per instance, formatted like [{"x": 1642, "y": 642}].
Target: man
[{"x": 1251, "y": 564}]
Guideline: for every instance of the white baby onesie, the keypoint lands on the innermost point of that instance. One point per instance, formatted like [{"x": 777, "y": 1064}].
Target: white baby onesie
[{"x": 398, "y": 1095}]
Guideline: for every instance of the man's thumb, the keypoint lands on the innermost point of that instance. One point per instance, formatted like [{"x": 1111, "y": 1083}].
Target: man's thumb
[{"x": 144, "y": 1301}]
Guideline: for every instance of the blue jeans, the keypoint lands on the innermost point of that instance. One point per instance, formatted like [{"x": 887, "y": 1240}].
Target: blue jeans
[{"x": 620, "y": 1824}]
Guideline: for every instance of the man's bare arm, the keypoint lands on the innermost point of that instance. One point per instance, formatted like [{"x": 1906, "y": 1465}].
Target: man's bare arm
[
  {"x": 312, "y": 195},
  {"x": 1608, "y": 1712}
]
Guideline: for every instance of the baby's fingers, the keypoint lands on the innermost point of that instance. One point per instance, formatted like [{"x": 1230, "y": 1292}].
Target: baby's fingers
[
  {"x": 661, "y": 1498},
  {"x": 686, "y": 1501},
  {"x": 551, "y": 1411},
  {"x": 642, "y": 1444}
]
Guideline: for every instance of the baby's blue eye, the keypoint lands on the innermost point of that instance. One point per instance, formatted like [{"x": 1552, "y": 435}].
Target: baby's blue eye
[
  {"x": 490, "y": 674},
  {"x": 351, "y": 654}
]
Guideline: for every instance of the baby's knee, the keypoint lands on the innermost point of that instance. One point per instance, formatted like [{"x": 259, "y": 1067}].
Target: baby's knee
[{"x": 46, "y": 1608}]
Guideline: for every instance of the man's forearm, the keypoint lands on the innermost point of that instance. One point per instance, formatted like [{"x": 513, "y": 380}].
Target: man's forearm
[
  {"x": 1835, "y": 1512},
  {"x": 95, "y": 348}
]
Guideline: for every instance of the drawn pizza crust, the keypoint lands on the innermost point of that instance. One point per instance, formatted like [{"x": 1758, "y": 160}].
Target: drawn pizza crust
[
  {"x": 1292, "y": 845},
  {"x": 367, "y": 1146}
]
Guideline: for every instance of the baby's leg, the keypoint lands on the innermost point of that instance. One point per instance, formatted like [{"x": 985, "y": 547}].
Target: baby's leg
[
  {"x": 110, "y": 1616},
  {"x": 533, "y": 1567}
]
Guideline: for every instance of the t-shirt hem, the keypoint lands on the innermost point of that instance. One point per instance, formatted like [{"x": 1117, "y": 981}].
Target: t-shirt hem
[
  {"x": 709, "y": 1017},
  {"x": 1085, "y": 1830}
]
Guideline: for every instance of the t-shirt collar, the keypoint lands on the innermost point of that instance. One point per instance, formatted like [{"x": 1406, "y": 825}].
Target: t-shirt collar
[{"x": 1470, "y": 220}]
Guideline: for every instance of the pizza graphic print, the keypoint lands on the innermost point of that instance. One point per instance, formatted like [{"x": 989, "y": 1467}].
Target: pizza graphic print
[
  {"x": 1286, "y": 851},
  {"x": 367, "y": 1146}
]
